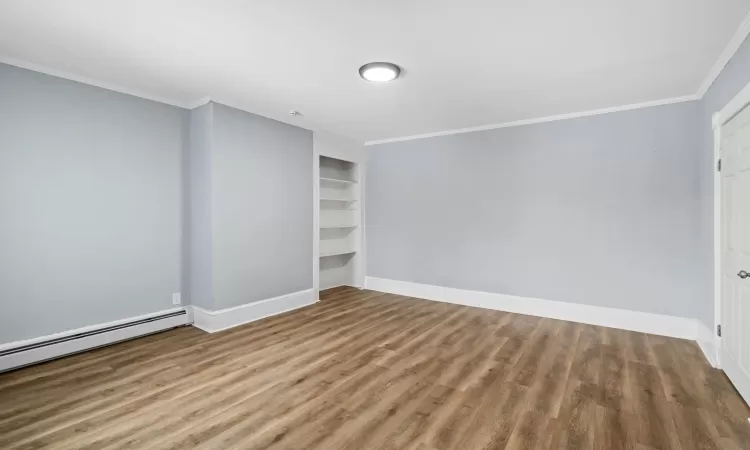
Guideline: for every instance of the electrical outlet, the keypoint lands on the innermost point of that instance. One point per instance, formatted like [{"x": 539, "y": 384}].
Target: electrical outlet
[{"x": 176, "y": 299}]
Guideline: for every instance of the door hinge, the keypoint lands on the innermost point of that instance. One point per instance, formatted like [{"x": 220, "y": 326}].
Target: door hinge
[
  {"x": 718, "y": 330},
  {"x": 718, "y": 165}
]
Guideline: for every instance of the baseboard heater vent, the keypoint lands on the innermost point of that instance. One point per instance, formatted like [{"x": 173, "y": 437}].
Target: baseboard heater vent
[{"x": 34, "y": 351}]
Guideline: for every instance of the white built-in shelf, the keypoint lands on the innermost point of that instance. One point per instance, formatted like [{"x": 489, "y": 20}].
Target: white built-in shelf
[
  {"x": 336, "y": 180},
  {"x": 340, "y": 225},
  {"x": 339, "y": 218},
  {"x": 337, "y": 253},
  {"x": 332, "y": 199}
]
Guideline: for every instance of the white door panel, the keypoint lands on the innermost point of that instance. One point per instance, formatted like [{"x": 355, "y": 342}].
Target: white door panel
[{"x": 735, "y": 250}]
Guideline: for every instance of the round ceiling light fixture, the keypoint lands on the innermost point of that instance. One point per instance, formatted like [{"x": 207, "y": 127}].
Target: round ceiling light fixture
[{"x": 379, "y": 72}]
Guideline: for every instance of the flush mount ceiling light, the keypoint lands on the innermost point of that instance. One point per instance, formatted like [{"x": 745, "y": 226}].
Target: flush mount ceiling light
[{"x": 379, "y": 72}]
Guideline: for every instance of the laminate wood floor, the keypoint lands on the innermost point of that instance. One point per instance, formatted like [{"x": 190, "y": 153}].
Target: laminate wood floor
[{"x": 365, "y": 370}]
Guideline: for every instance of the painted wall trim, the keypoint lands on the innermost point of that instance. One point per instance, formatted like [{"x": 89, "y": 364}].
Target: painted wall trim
[
  {"x": 718, "y": 119},
  {"x": 55, "y": 350},
  {"x": 678, "y": 327},
  {"x": 86, "y": 329},
  {"x": 734, "y": 107},
  {"x": 708, "y": 343},
  {"x": 192, "y": 104},
  {"x": 518, "y": 123},
  {"x": 729, "y": 51},
  {"x": 90, "y": 81},
  {"x": 715, "y": 118},
  {"x": 198, "y": 102},
  {"x": 734, "y": 44},
  {"x": 316, "y": 217},
  {"x": 223, "y": 319}
]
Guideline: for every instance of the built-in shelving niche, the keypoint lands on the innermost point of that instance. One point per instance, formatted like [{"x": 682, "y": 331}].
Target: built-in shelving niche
[{"x": 339, "y": 217}]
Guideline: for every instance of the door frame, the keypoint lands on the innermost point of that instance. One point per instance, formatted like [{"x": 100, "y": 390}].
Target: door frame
[{"x": 718, "y": 119}]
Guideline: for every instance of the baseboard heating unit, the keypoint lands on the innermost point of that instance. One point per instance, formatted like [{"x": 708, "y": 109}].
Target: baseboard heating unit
[{"x": 23, "y": 353}]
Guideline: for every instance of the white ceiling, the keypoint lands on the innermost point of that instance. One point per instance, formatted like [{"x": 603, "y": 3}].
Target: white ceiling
[{"x": 466, "y": 63}]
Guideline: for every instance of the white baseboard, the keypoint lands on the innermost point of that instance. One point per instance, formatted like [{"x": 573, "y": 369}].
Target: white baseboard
[
  {"x": 708, "y": 343},
  {"x": 213, "y": 321},
  {"x": 43, "y": 348},
  {"x": 679, "y": 327}
]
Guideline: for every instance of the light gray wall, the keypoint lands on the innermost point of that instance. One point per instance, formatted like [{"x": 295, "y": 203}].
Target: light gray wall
[
  {"x": 734, "y": 77},
  {"x": 199, "y": 225},
  {"x": 600, "y": 210},
  {"x": 89, "y": 204},
  {"x": 262, "y": 206}
]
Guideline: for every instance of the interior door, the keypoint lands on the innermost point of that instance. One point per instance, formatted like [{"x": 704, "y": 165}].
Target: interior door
[{"x": 735, "y": 250}]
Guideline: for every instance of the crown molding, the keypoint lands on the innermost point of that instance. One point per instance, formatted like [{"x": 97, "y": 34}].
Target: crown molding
[
  {"x": 734, "y": 44},
  {"x": 198, "y": 102},
  {"x": 517, "y": 123},
  {"x": 87, "y": 80},
  {"x": 729, "y": 51}
]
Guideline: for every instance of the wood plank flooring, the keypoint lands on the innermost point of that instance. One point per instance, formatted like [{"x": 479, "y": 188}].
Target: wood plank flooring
[{"x": 365, "y": 370}]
